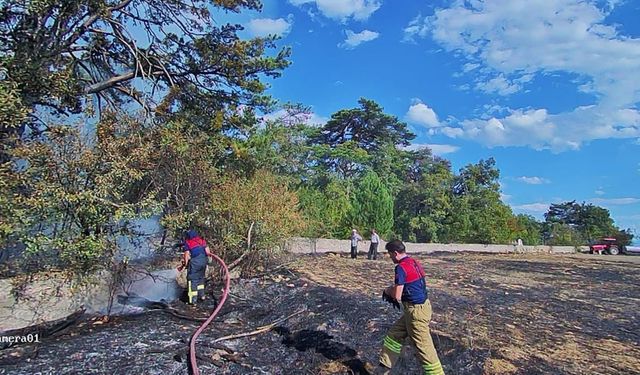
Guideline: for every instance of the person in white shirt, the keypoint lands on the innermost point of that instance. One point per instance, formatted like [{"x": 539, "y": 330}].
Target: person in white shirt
[
  {"x": 355, "y": 237},
  {"x": 373, "y": 248}
]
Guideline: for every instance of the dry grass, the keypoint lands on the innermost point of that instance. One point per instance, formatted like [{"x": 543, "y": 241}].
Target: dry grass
[{"x": 533, "y": 313}]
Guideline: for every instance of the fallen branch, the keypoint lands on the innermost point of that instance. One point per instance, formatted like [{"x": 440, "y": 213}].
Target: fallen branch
[
  {"x": 178, "y": 315},
  {"x": 259, "y": 330}
]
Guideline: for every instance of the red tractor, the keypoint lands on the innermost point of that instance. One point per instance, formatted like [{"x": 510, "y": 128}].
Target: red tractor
[{"x": 606, "y": 245}]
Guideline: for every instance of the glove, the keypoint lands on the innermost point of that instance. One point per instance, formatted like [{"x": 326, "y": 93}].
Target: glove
[{"x": 393, "y": 301}]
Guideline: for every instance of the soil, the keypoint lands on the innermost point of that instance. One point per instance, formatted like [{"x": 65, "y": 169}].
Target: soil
[{"x": 493, "y": 314}]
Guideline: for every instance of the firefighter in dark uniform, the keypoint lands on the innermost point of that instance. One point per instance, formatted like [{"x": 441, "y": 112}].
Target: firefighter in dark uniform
[
  {"x": 410, "y": 289},
  {"x": 195, "y": 257}
]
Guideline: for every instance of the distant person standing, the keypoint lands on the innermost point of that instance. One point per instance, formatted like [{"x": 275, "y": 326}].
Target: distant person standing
[
  {"x": 520, "y": 246},
  {"x": 355, "y": 237},
  {"x": 373, "y": 248}
]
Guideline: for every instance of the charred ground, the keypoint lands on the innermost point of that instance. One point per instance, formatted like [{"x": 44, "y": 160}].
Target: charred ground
[{"x": 493, "y": 314}]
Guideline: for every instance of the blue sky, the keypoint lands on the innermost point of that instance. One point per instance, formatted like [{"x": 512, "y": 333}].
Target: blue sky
[{"x": 550, "y": 89}]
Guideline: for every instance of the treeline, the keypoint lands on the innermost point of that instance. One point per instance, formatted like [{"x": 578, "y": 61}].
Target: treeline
[
  {"x": 98, "y": 130},
  {"x": 356, "y": 172}
]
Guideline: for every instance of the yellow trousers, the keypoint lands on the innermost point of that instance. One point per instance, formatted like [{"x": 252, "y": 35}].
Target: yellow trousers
[{"x": 413, "y": 324}]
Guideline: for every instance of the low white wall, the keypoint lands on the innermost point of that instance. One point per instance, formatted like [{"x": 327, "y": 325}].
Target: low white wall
[
  {"x": 45, "y": 297},
  {"x": 301, "y": 245},
  {"x": 50, "y": 296}
]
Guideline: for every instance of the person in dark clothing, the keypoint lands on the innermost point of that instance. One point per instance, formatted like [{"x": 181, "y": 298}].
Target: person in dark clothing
[{"x": 195, "y": 259}]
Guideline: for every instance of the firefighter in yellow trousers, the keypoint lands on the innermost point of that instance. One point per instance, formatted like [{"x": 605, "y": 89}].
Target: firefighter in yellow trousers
[{"x": 410, "y": 288}]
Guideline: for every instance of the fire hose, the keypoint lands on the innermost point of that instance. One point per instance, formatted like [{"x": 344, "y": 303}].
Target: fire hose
[{"x": 192, "y": 344}]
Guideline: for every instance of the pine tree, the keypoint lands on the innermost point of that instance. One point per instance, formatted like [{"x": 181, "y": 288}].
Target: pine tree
[{"x": 372, "y": 205}]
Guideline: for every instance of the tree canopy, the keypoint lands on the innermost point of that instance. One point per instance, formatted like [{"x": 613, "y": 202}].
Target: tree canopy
[
  {"x": 113, "y": 111},
  {"x": 67, "y": 56}
]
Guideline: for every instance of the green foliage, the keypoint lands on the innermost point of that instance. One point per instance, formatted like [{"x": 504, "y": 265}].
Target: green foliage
[
  {"x": 478, "y": 215},
  {"x": 372, "y": 206},
  {"x": 358, "y": 139},
  {"x": 528, "y": 229},
  {"x": 53, "y": 54},
  {"x": 570, "y": 223},
  {"x": 278, "y": 145},
  {"x": 13, "y": 113},
  {"x": 559, "y": 234},
  {"x": 202, "y": 155},
  {"x": 263, "y": 199},
  {"x": 367, "y": 127},
  {"x": 71, "y": 199},
  {"x": 326, "y": 210},
  {"x": 425, "y": 201}
]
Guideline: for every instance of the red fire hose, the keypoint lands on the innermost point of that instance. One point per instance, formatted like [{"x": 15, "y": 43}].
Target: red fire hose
[{"x": 192, "y": 345}]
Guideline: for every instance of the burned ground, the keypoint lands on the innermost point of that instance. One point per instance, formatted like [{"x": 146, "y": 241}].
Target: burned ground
[{"x": 493, "y": 314}]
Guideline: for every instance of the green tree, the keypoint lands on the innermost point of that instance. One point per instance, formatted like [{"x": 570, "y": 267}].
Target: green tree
[
  {"x": 263, "y": 199},
  {"x": 327, "y": 209},
  {"x": 70, "y": 199},
  {"x": 279, "y": 144},
  {"x": 360, "y": 138},
  {"x": 528, "y": 229},
  {"x": 478, "y": 214},
  {"x": 53, "y": 54},
  {"x": 372, "y": 205},
  {"x": 586, "y": 222},
  {"x": 198, "y": 84},
  {"x": 424, "y": 201},
  {"x": 560, "y": 234}
]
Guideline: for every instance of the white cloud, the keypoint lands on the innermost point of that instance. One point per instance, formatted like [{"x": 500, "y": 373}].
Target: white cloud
[
  {"x": 268, "y": 26},
  {"x": 355, "y": 39},
  {"x": 442, "y": 149},
  {"x": 533, "y": 180},
  {"x": 615, "y": 201},
  {"x": 436, "y": 149},
  {"x": 599, "y": 192},
  {"x": 536, "y": 208},
  {"x": 505, "y": 45},
  {"x": 452, "y": 132},
  {"x": 418, "y": 27},
  {"x": 342, "y": 10},
  {"x": 499, "y": 85},
  {"x": 538, "y": 129},
  {"x": 420, "y": 113}
]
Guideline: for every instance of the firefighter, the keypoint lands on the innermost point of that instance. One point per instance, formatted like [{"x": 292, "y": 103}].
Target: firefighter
[
  {"x": 195, "y": 259},
  {"x": 411, "y": 289}
]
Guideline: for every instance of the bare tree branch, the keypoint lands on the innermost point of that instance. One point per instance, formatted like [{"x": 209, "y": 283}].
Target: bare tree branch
[{"x": 236, "y": 262}]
